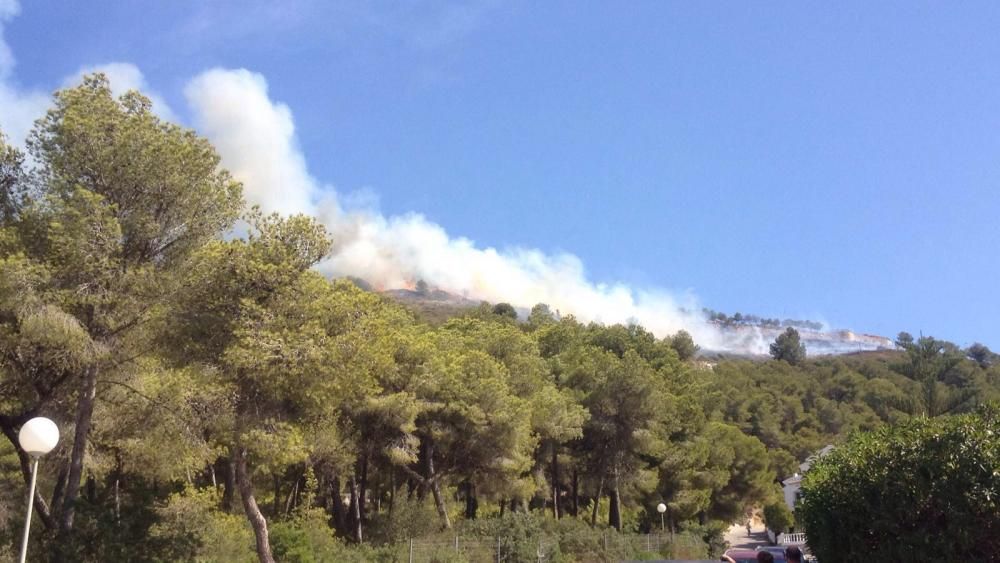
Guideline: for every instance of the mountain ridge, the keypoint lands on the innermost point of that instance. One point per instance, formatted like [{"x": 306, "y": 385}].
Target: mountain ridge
[{"x": 436, "y": 306}]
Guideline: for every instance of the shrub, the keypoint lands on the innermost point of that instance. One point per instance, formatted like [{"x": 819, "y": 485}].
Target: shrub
[
  {"x": 925, "y": 490},
  {"x": 306, "y": 538},
  {"x": 190, "y": 527},
  {"x": 701, "y": 540},
  {"x": 777, "y": 517},
  {"x": 519, "y": 533},
  {"x": 410, "y": 518}
]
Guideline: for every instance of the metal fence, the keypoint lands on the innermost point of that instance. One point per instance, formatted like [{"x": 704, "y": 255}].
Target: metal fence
[
  {"x": 792, "y": 539},
  {"x": 610, "y": 546}
]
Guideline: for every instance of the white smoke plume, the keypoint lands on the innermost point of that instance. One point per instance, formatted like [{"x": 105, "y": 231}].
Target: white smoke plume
[{"x": 256, "y": 138}]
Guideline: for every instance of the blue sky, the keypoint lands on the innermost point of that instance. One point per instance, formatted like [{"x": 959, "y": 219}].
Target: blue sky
[{"x": 790, "y": 159}]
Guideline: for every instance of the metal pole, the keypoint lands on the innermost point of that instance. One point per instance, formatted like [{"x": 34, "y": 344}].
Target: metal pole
[
  {"x": 31, "y": 504},
  {"x": 661, "y": 522}
]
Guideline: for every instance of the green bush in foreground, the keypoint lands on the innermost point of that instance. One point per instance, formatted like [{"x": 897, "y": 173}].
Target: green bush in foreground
[{"x": 925, "y": 490}]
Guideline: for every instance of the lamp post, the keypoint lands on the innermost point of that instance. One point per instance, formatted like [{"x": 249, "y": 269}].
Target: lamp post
[
  {"x": 37, "y": 437},
  {"x": 661, "y": 508}
]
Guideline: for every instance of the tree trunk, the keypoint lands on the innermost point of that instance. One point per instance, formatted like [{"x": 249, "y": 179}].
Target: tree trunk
[
  {"x": 339, "y": 514},
  {"x": 615, "y": 510},
  {"x": 277, "y": 495},
  {"x": 597, "y": 502},
  {"x": 257, "y": 520},
  {"x": 363, "y": 488},
  {"x": 439, "y": 503},
  {"x": 300, "y": 487},
  {"x": 60, "y": 489},
  {"x": 355, "y": 511},
  {"x": 118, "y": 504},
  {"x": 576, "y": 493},
  {"x": 84, "y": 415},
  {"x": 392, "y": 489},
  {"x": 555, "y": 481},
  {"x": 431, "y": 480},
  {"x": 471, "y": 502},
  {"x": 293, "y": 493},
  {"x": 426, "y": 456},
  {"x": 229, "y": 486}
]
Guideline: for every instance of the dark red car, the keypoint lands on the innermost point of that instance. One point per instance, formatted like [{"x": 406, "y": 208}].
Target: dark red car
[{"x": 750, "y": 556}]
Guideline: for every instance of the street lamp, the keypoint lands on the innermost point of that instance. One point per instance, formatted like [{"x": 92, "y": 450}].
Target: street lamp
[
  {"x": 37, "y": 437},
  {"x": 661, "y": 508}
]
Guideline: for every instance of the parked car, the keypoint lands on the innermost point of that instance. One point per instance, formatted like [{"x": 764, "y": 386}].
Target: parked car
[
  {"x": 776, "y": 550},
  {"x": 750, "y": 556},
  {"x": 742, "y": 555}
]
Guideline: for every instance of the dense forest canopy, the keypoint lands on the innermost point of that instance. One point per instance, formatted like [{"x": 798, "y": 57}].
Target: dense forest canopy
[{"x": 219, "y": 399}]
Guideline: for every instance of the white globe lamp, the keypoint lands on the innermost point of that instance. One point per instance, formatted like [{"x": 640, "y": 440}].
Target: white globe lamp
[
  {"x": 37, "y": 437},
  {"x": 661, "y": 508}
]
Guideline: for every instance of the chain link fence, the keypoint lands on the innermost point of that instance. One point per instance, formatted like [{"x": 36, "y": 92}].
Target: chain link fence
[{"x": 609, "y": 547}]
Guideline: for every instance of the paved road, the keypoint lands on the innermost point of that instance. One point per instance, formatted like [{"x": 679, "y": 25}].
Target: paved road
[{"x": 737, "y": 536}]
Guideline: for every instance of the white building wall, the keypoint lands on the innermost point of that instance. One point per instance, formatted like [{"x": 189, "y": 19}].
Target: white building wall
[{"x": 790, "y": 487}]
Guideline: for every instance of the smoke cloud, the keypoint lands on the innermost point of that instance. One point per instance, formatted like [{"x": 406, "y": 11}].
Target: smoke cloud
[{"x": 256, "y": 138}]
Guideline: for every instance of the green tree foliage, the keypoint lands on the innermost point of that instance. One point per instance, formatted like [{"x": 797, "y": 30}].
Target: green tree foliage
[
  {"x": 938, "y": 367},
  {"x": 13, "y": 181},
  {"x": 904, "y": 339},
  {"x": 684, "y": 345},
  {"x": 777, "y": 517},
  {"x": 981, "y": 354},
  {"x": 255, "y": 318},
  {"x": 505, "y": 310},
  {"x": 924, "y": 490},
  {"x": 788, "y": 347},
  {"x": 92, "y": 254},
  {"x": 629, "y": 414},
  {"x": 717, "y": 475},
  {"x": 540, "y": 316},
  {"x": 190, "y": 528},
  {"x": 221, "y": 400}
]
